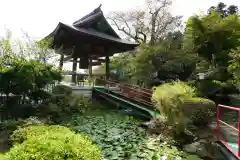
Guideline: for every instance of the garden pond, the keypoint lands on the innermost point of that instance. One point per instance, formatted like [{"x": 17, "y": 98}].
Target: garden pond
[{"x": 120, "y": 136}]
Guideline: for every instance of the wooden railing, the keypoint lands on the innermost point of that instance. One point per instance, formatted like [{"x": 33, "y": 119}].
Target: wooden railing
[
  {"x": 219, "y": 121},
  {"x": 135, "y": 93}
]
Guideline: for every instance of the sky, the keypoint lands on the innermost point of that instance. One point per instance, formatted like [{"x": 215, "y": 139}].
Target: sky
[{"x": 39, "y": 17}]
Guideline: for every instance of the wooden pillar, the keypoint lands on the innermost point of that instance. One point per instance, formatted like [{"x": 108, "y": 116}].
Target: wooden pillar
[
  {"x": 107, "y": 61},
  {"x": 74, "y": 70},
  {"x": 61, "y": 62},
  {"x": 90, "y": 68}
]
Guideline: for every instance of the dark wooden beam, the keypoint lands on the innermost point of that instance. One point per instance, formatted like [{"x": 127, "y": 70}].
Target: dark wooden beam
[
  {"x": 61, "y": 62},
  {"x": 90, "y": 68},
  {"x": 107, "y": 61},
  {"x": 94, "y": 62},
  {"x": 74, "y": 70}
]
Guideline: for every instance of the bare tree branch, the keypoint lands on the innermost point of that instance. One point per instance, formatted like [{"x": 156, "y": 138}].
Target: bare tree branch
[
  {"x": 123, "y": 30},
  {"x": 146, "y": 26}
]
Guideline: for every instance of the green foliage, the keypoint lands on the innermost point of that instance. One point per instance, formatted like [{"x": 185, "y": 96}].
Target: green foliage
[
  {"x": 201, "y": 117},
  {"x": 234, "y": 67},
  {"x": 224, "y": 10},
  {"x": 9, "y": 125},
  {"x": 62, "y": 89},
  {"x": 61, "y": 105},
  {"x": 24, "y": 71},
  {"x": 213, "y": 37},
  {"x": 170, "y": 97},
  {"x": 51, "y": 142},
  {"x": 27, "y": 78},
  {"x": 27, "y": 81},
  {"x": 141, "y": 68},
  {"x": 177, "y": 101},
  {"x": 124, "y": 66},
  {"x": 211, "y": 87},
  {"x": 200, "y": 110},
  {"x": 2, "y": 156},
  {"x": 120, "y": 137},
  {"x": 22, "y": 134},
  {"x": 169, "y": 64},
  {"x": 173, "y": 153}
]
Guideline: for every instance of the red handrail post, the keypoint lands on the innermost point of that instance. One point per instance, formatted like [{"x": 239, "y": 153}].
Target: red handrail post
[
  {"x": 218, "y": 123},
  {"x": 238, "y": 133}
]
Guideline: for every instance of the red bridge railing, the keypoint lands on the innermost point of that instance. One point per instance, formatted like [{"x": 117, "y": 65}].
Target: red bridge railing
[
  {"x": 136, "y": 93},
  {"x": 219, "y": 122}
]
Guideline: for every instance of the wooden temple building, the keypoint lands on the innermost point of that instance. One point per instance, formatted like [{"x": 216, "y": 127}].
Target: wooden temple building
[{"x": 88, "y": 41}]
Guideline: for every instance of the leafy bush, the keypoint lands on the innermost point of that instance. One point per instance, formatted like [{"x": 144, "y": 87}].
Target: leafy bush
[
  {"x": 64, "y": 105},
  {"x": 27, "y": 77},
  {"x": 172, "y": 153},
  {"x": 177, "y": 101},
  {"x": 9, "y": 125},
  {"x": 169, "y": 98},
  {"x": 51, "y": 142},
  {"x": 27, "y": 81},
  {"x": 202, "y": 112},
  {"x": 22, "y": 134},
  {"x": 62, "y": 89},
  {"x": 2, "y": 156},
  {"x": 211, "y": 87}
]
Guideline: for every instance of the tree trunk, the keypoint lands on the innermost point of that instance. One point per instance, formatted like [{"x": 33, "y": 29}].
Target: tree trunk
[{"x": 153, "y": 25}]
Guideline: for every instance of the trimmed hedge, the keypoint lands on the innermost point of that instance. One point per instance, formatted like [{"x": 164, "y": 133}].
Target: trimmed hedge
[
  {"x": 22, "y": 134},
  {"x": 51, "y": 142},
  {"x": 200, "y": 110}
]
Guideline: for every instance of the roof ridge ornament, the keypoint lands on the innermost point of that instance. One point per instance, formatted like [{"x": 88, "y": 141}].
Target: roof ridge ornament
[
  {"x": 99, "y": 7},
  {"x": 93, "y": 14}
]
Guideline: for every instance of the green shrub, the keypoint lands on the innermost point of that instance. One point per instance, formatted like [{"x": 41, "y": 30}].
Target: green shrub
[
  {"x": 27, "y": 78},
  {"x": 169, "y": 98},
  {"x": 178, "y": 102},
  {"x": 62, "y": 89},
  {"x": 196, "y": 104},
  {"x": 172, "y": 153},
  {"x": 211, "y": 87},
  {"x": 62, "y": 105},
  {"x": 200, "y": 110},
  {"x": 51, "y": 142},
  {"x": 2, "y": 156},
  {"x": 21, "y": 134},
  {"x": 9, "y": 125}
]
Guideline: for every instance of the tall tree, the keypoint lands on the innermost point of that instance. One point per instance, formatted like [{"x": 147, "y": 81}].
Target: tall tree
[
  {"x": 147, "y": 25},
  {"x": 224, "y": 10},
  {"x": 213, "y": 37}
]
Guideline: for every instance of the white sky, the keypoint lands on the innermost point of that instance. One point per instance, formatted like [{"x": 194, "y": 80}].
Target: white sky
[{"x": 39, "y": 17}]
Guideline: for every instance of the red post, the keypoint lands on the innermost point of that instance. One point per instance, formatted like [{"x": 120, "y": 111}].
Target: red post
[
  {"x": 238, "y": 133},
  {"x": 218, "y": 123}
]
